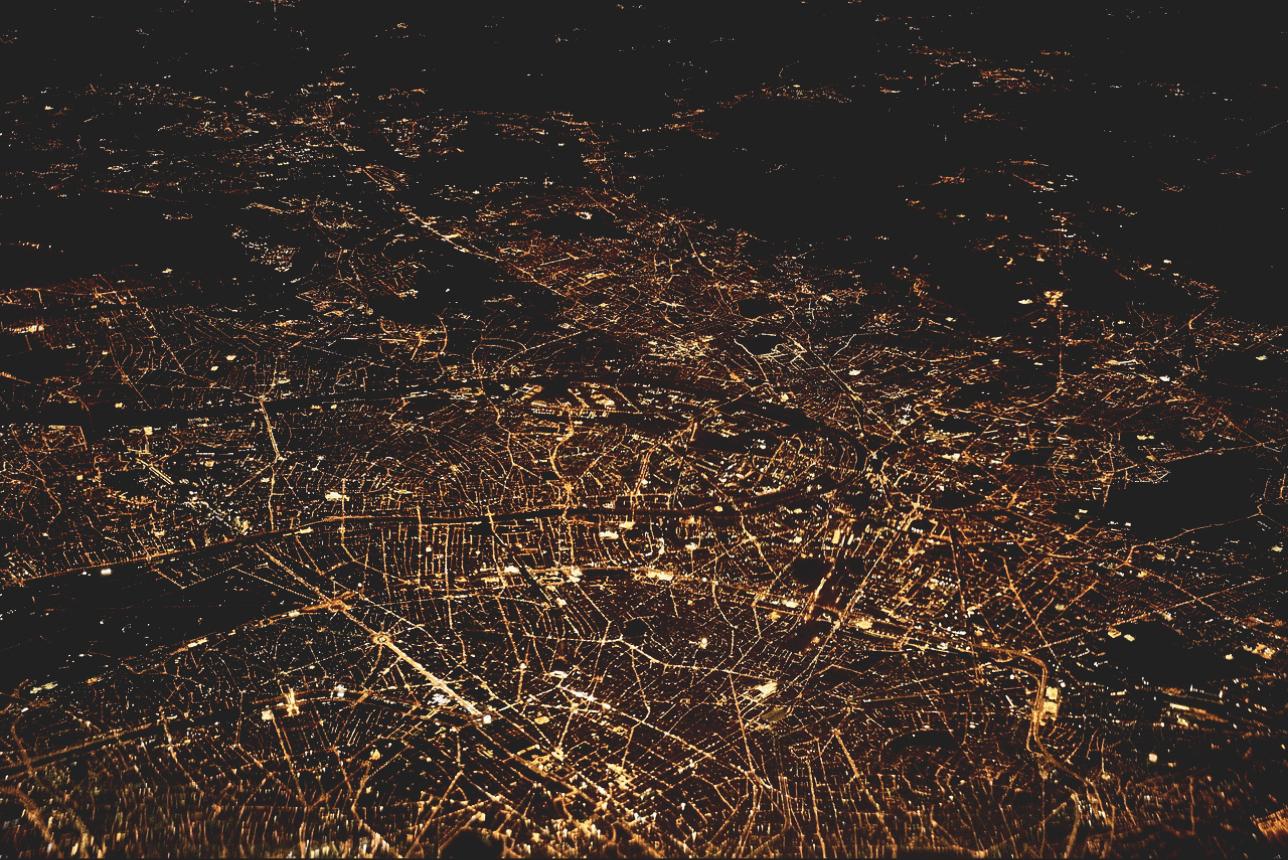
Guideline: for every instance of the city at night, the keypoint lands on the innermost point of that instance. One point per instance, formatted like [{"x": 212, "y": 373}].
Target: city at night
[{"x": 643, "y": 429}]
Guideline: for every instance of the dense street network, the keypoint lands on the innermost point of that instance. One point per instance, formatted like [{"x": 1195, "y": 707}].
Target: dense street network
[{"x": 384, "y": 473}]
